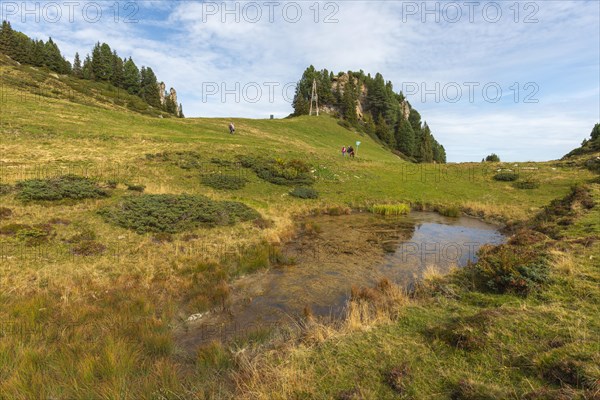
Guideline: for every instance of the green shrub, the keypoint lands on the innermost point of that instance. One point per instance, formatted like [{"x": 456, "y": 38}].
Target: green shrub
[
  {"x": 305, "y": 193},
  {"x": 390, "y": 209},
  {"x": 223, "y": 182},
  {"x": 5, "y": 188},
  {"x": 527, "y": 184},
  {"x": 64, "y": 187},
  {"x": 175, "y": 213},
  {"x": 278, "y": 171},
  {"x": 509, "y": 268},
  {"x": 506, "y": 176}
]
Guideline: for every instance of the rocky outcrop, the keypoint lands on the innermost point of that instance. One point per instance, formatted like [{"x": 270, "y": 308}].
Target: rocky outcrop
[
  {"x": 338, "y": 85},
  {"x": 162, "y": 91}
]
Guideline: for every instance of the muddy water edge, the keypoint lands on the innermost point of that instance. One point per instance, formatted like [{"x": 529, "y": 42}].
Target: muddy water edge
[{"x": 330, "y": 254}]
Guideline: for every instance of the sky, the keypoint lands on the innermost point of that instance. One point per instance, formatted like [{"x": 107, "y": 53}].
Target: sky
[{"x": 517, "y": 78}]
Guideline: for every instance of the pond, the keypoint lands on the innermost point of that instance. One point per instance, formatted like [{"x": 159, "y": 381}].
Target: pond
[{"x": 331, "y": 254}]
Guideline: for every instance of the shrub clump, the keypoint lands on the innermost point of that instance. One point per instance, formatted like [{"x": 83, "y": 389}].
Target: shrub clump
[
  {"x": 224, "y": 182},
  {"x": 506, "y": 176},
  {"x": 509, "y": 268},
  {"x": 278, "y": 171},
  {"x": 305, "y": 193},
  {"x": 175, "y": 213},
  {"x": 63, "y": 187}
]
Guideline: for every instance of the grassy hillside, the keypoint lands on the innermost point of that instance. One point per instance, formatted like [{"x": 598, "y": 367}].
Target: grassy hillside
[{"x": 90, "y": 305}]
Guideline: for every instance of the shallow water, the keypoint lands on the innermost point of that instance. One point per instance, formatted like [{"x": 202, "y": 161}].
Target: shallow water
[{"x": 332, "y": 254}]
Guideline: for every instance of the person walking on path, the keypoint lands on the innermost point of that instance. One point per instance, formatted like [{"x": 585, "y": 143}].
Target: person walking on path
[
  {"x": 344, "y": 151},
  {"x": 351, "y": 151}
]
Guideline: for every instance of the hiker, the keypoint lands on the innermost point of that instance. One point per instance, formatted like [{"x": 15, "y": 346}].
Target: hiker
[
  {"x": 351, "y": 151},
  {"x": 231, "y": 128},
  {"x": 344, "y": 151}
]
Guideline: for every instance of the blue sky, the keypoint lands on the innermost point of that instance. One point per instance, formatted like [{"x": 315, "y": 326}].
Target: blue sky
[{"x": 234, "y": 59}]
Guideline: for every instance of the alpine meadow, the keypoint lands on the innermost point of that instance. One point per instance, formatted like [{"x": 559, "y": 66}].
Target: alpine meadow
[{"x": 341, "y": 200}]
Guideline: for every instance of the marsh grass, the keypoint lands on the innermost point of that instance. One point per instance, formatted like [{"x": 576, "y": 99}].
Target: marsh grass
[{"x": 390, "y": 209}]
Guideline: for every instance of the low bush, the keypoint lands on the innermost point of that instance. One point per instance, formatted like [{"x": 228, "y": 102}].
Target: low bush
[
  {"x": 304, "y": 193},
  {"x": 63, "y": 187},
  {"x": 175, "y": 213},
  {"x": 390, "y": 209},
  {"x": 223, "y": 182},
  {"x": 506, "y": 176},
  {"x": 278, "y": 171},
  {"x": 509, "y": 268}
]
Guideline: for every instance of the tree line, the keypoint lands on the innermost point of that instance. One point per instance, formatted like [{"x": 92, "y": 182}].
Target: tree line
[
  {"x": 104, "y": 65},
  {"x": 383, "y": 111}
]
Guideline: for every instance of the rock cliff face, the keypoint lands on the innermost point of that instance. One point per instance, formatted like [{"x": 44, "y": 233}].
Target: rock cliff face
[
  {"x": 161, "y": 91},
  {"x": 171, "y": 95},
  {"x": 338, "y": 85}
]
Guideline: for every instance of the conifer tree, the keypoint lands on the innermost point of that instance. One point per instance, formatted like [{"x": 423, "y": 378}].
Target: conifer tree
[
  {"x": 117, "y": 70},
  {"x": 131, "y": 77},
  {"x": 405, "y": 137},
  {"x": 149, "y": 89},
  {"x": 86, "y": 70},
  {"x": 77, "y": 69}
]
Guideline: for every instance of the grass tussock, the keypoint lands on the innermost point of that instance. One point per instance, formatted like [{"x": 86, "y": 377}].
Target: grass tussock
[{"x": 390, "y": 209}]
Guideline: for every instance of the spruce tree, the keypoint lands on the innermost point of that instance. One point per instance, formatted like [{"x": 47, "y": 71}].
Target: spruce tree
[
  {"x": 87, "y": 70},
  {"x": 426, "y": 145},
  {"x": 595, "y": 132},
  {"x": 370, "y": 127},
  {"x": 77, "y": 69},
  {"x": 6, "y": 39},
  {"x": 349, "y": 102},
  {"x": 384, "y": 132},
  {"x": 117, "y": 77},
  {"x": 405, "y": 137},
  {"x": 150, "y": 91},
  {"x": 131, "y": 77},
  {"x": 301, "y": 104}
]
